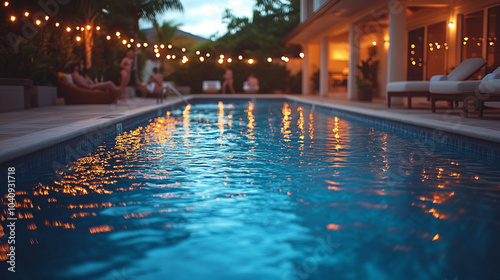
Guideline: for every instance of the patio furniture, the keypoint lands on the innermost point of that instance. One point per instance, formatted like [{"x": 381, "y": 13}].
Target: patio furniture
[
  {"x": 74, "y": 94},
  {"x": 461, "y": 91},
  {"x": 211, "y": 86},
  {"x": 489, "y": 90},
  {"x": 421, "y": 88}
]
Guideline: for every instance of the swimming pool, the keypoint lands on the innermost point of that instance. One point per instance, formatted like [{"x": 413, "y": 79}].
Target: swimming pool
[{"x": 261, "y": 190}]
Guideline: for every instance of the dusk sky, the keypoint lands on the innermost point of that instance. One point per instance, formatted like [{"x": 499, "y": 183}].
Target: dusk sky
[{"x": 204, "y": 18}]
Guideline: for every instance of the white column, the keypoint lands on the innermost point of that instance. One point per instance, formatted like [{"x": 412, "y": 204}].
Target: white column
[
  {"x": 306, "y": 83},
  {"x": 303, "y": 10},
  {"x": 323, "y": 67},
  {"x": 397, "y": 43},
  {"x": 354, "y": 34}
]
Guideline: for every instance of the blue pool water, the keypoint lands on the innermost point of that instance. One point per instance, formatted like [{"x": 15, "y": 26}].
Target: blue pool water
[{"x": 260, "y": 190}]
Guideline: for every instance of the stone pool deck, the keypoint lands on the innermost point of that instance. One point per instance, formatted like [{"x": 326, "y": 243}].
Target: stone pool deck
[{"x": 24, "y": 132}]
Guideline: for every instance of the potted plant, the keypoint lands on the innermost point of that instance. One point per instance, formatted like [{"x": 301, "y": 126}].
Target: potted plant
[{"x": 366, "y": 81}]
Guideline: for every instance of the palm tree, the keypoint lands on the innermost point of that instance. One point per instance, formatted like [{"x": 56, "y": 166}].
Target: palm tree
[{"x": 90, "y": 10}]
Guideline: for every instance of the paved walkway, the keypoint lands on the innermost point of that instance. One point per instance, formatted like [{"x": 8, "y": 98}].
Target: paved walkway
[{"x": 23, "y": 132}]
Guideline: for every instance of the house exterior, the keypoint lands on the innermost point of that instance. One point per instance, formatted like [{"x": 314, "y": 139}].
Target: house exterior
[{"x": 410, "y": 39}]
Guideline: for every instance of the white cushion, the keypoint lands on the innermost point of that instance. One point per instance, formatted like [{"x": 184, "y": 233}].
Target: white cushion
[
  {"x": 453, "y": 87},
  {"x": 466, "y": 68},
  {"x": 408, "y": 86},
  {"x": 211, "y": 85},
  {"x": 491, "y": 86},
  {"x": 491, "y": 76},
  {"x": 439, "y": 78}
]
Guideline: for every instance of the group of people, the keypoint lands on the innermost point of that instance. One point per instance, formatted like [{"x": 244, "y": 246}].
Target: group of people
[
  {"x": 82, "y": 80},
  {"x": 251, "y": 85}
]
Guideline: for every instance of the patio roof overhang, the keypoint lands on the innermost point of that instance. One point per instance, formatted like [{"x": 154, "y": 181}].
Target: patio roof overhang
[{"x": 336, "y": 15}]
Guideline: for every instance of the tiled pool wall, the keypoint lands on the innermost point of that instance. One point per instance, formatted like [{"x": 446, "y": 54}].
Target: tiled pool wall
[
  {"x": 476, "y": 148},
  {"x": 59, "y": 156}
]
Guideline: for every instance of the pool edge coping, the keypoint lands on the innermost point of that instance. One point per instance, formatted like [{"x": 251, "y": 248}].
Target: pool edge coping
[{"x": 15, "y": 148}]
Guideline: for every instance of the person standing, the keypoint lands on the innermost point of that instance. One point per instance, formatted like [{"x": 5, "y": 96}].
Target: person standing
[
  {"x": 228, "y": 80},
  {"x": 126, "y": 65}
]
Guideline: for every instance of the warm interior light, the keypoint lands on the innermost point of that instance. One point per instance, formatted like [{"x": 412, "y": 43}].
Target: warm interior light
[
  {"x": 202, "y": 58},
  {"x": 97, "y": 28},
  {"x": 88, "y": 27},
  {"x": 118, "y": 34},
  {"x": 301, "y": 55},
  {"x": 57, "y": 24},
  {"x": 374, "y": 43},
  {"x": 47, "y": 17},
  {"x": 183, "y": 49},
  {"x": 26, "y": 14},
  {"x": 451, "y": 24},
  {"x": 131, "y": 40},
  {"x": 68, "y": 29},
  {"x": 124, "y": 42},
  {"x": 38, "y": 22},
  {"x": 108, "y": 37},
  {"x": 250, "y": 61},
  {"x": 240, "y": 57},
  {"x": 269, "y": 60},
  {"x": 12, "y": 18},
  {"x": 229, "y": 60},
  {"x": 145, "y": 45},
  {"x": 169, "y": 46},
  {"x": 6, "y": 4},
  {"x": 78, "y": 39}
]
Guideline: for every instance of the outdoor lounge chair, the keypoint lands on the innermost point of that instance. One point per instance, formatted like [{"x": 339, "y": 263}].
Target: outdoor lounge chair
[
  {"x": 74, "y": 94},
  {"x": 421, "y": 88},
  {"x": 460, "y": 91},
  {"x": 489, "y": 90}
]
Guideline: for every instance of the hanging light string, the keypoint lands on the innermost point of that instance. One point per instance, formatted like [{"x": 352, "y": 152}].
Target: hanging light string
[{"x": 166, "y": 51}]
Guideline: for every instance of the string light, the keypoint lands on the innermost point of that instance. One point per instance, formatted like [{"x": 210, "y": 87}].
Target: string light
[
  {"x": 6, "y": 4},
  {"x": 157, "y": 52}
]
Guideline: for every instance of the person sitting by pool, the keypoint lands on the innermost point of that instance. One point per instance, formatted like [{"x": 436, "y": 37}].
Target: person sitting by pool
[
  {"x": 87, "y": 83},
  {"x": 251, "y": 85}
]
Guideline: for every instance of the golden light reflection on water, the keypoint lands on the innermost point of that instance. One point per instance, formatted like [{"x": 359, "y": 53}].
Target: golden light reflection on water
[
  {"x": 251, "y": 120},
  {"x": 286, "y": 122},
  {"x": 311, "y": 125},
  {"x": 220, "y": 118}
]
